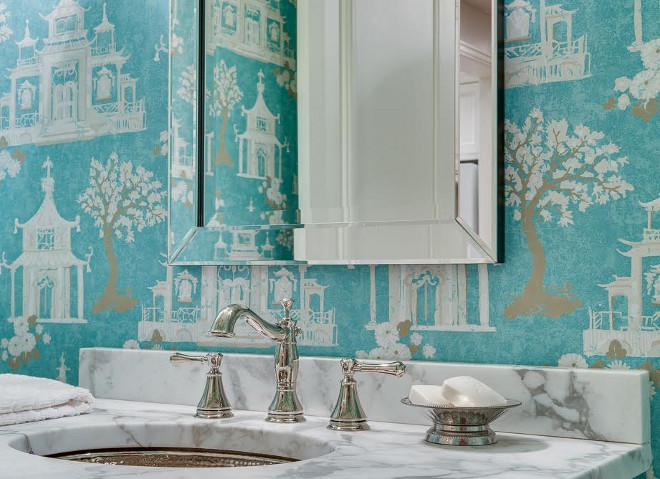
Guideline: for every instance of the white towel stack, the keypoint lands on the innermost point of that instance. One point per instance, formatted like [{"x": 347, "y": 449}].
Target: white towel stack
[{"x": 28, "y": 399}]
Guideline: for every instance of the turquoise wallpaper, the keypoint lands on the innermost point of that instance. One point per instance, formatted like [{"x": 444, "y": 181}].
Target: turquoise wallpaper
[{"x": 83, "y": 184}]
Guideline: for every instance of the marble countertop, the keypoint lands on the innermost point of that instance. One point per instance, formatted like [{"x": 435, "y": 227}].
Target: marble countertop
[{"x": 388, "y": 451}]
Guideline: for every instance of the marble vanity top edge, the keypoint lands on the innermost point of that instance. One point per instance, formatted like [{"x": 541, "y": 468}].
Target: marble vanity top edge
[{"x": 371, "y": 454}]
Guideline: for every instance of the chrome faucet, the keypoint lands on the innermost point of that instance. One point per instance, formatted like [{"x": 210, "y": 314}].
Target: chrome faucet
[
  {"x": 214, "y": 403},
  {"x": 285, "y": 406},
  {"x": 348, "y": 414}
]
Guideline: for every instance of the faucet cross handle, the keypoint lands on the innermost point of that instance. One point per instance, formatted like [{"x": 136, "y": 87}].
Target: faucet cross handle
[
  {"x": 348, "y": 414},
  {"x": 287, "y": 304},
  {"x": 214, "y": 403}
]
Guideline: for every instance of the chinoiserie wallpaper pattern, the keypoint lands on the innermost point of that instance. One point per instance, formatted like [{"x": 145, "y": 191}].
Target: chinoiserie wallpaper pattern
[{"x": 83, "y": 186}]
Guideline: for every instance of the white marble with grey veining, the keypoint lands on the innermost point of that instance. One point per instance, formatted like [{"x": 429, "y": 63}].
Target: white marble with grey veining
[
  {"x": 388, "y": 451},
  {"x": 610, "y": 405}
]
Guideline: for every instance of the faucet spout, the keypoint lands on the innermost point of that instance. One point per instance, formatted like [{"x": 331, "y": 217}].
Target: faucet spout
[
  {"x": 224, "y": 323},
  {"x": 285, "y": 406}
]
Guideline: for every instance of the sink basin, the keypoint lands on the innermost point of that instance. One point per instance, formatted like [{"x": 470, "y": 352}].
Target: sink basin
[
  {"x": 171, "y": 444},
  {"x": 172, "y": 457}
]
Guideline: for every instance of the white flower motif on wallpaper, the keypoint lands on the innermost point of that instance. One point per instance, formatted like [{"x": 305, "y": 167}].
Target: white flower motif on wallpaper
[
  {"x": 122, "y": 199},
  {"x": 22, "y": 347},
  {"x": 388, "y": 337},
  {"x": 131, "y": 344},
  {"x": 5, "y": 31},
  {"x": 428, "y": 351},
  {"x": 222, "y": 99},
  {"x": 275, "y": 200},
  {"x": 552, "y": 170},
  {"x": 572, "y": 360},
  {"x": 287, "y": 79},
  {"x": 640, "y": 92},
  {"x": 10, "y": 164}
]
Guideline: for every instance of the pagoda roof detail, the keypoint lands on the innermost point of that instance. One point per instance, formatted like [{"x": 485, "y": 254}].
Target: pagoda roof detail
[
  {"x": 64, "y": 9},
  {"x": 260, "y": 108},
  {"x": 47, "y": 215},
  {"x": 105, "y": 25},
  {"x": 27, "y": 40}
]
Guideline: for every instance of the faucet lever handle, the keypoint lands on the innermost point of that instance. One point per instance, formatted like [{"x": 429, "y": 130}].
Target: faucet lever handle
[
  {"x": 214, "y": 403},
  {"x": 181, "y": 357},
  {"x": 351, "y": 366},
  {"x": 348, "y": 414}
]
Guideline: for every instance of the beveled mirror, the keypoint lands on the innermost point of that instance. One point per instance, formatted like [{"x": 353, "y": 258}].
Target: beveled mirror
[{"x": 335, "y": 132}]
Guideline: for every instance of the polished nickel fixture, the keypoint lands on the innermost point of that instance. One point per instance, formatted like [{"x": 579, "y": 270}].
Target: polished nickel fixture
[
  {"x": 214, "y": 403},
  {"x": 285, "y": 407},
  {"x": 348, "y": 414}
]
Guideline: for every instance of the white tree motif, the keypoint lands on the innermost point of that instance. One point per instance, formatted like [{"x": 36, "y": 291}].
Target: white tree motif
[
  {"x": 10, "y": 166},
  {"x": 640, "y": 92},
  {"x": 187, "y": 90},
  {"x": 182, "y": 191},
  {"x": 5, "y": 31},
  {"x": 550, "y": 172},
  {"x": 224, "y": 96},
  {"x": 121, "y": 199}
]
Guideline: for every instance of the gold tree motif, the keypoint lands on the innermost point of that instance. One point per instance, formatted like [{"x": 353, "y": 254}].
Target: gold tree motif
[
  {"x": 120, "y": 199},
  {"x": 550, "y": 172},
  {"x": 223, "y": 97}
]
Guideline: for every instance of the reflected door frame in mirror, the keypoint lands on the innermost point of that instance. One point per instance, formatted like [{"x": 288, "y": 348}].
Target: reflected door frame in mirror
[{"x": 381, "y": 154}]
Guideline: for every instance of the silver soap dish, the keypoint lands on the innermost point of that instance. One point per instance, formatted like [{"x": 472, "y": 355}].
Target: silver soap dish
[{"x": 463, "y": 426}]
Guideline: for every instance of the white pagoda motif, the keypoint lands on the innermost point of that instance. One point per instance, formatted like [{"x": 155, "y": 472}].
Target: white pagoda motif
[
  {"x": 252, "y": 28},
  {"x": 432, "y": 298},
  {"x": 73, "y": 88},
  {"x": 180, "y": 324},
  {"x": 548, "y": 55},
  {"x": 242, "y": 245},
  {"x": 625, "y": 319},
  {"x": 52, "y": 281},
  {"x": 260, "y": 152},
  {"x": 259, "y": 288}
]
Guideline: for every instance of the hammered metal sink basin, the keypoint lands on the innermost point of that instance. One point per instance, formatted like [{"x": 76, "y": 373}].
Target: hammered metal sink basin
[
  {"x": 172, "y": 457},
  {"x": 200, "y": 444}
]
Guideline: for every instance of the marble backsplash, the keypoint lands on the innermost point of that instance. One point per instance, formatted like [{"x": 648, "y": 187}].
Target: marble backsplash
[{"x": 576, "y": 403}]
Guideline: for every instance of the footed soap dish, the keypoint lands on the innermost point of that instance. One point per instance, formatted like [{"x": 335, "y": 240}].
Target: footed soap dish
[{"x": 463, "y": 426}]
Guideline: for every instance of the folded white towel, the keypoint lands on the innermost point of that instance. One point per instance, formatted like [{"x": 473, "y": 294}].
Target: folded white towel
[{"x": 28, "y": 399}]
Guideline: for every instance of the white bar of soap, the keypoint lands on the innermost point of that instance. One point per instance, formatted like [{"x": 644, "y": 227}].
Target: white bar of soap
[
  {"x": 465, "y": 391},
  {"x": 428, "y": 395}
]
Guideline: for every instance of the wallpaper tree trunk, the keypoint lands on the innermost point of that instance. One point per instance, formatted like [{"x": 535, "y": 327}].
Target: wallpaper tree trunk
[{"x": 111, "y": 299}]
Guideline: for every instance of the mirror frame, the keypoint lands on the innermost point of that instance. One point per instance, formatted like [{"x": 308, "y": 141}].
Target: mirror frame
[{"x": 490, "y": 254}]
